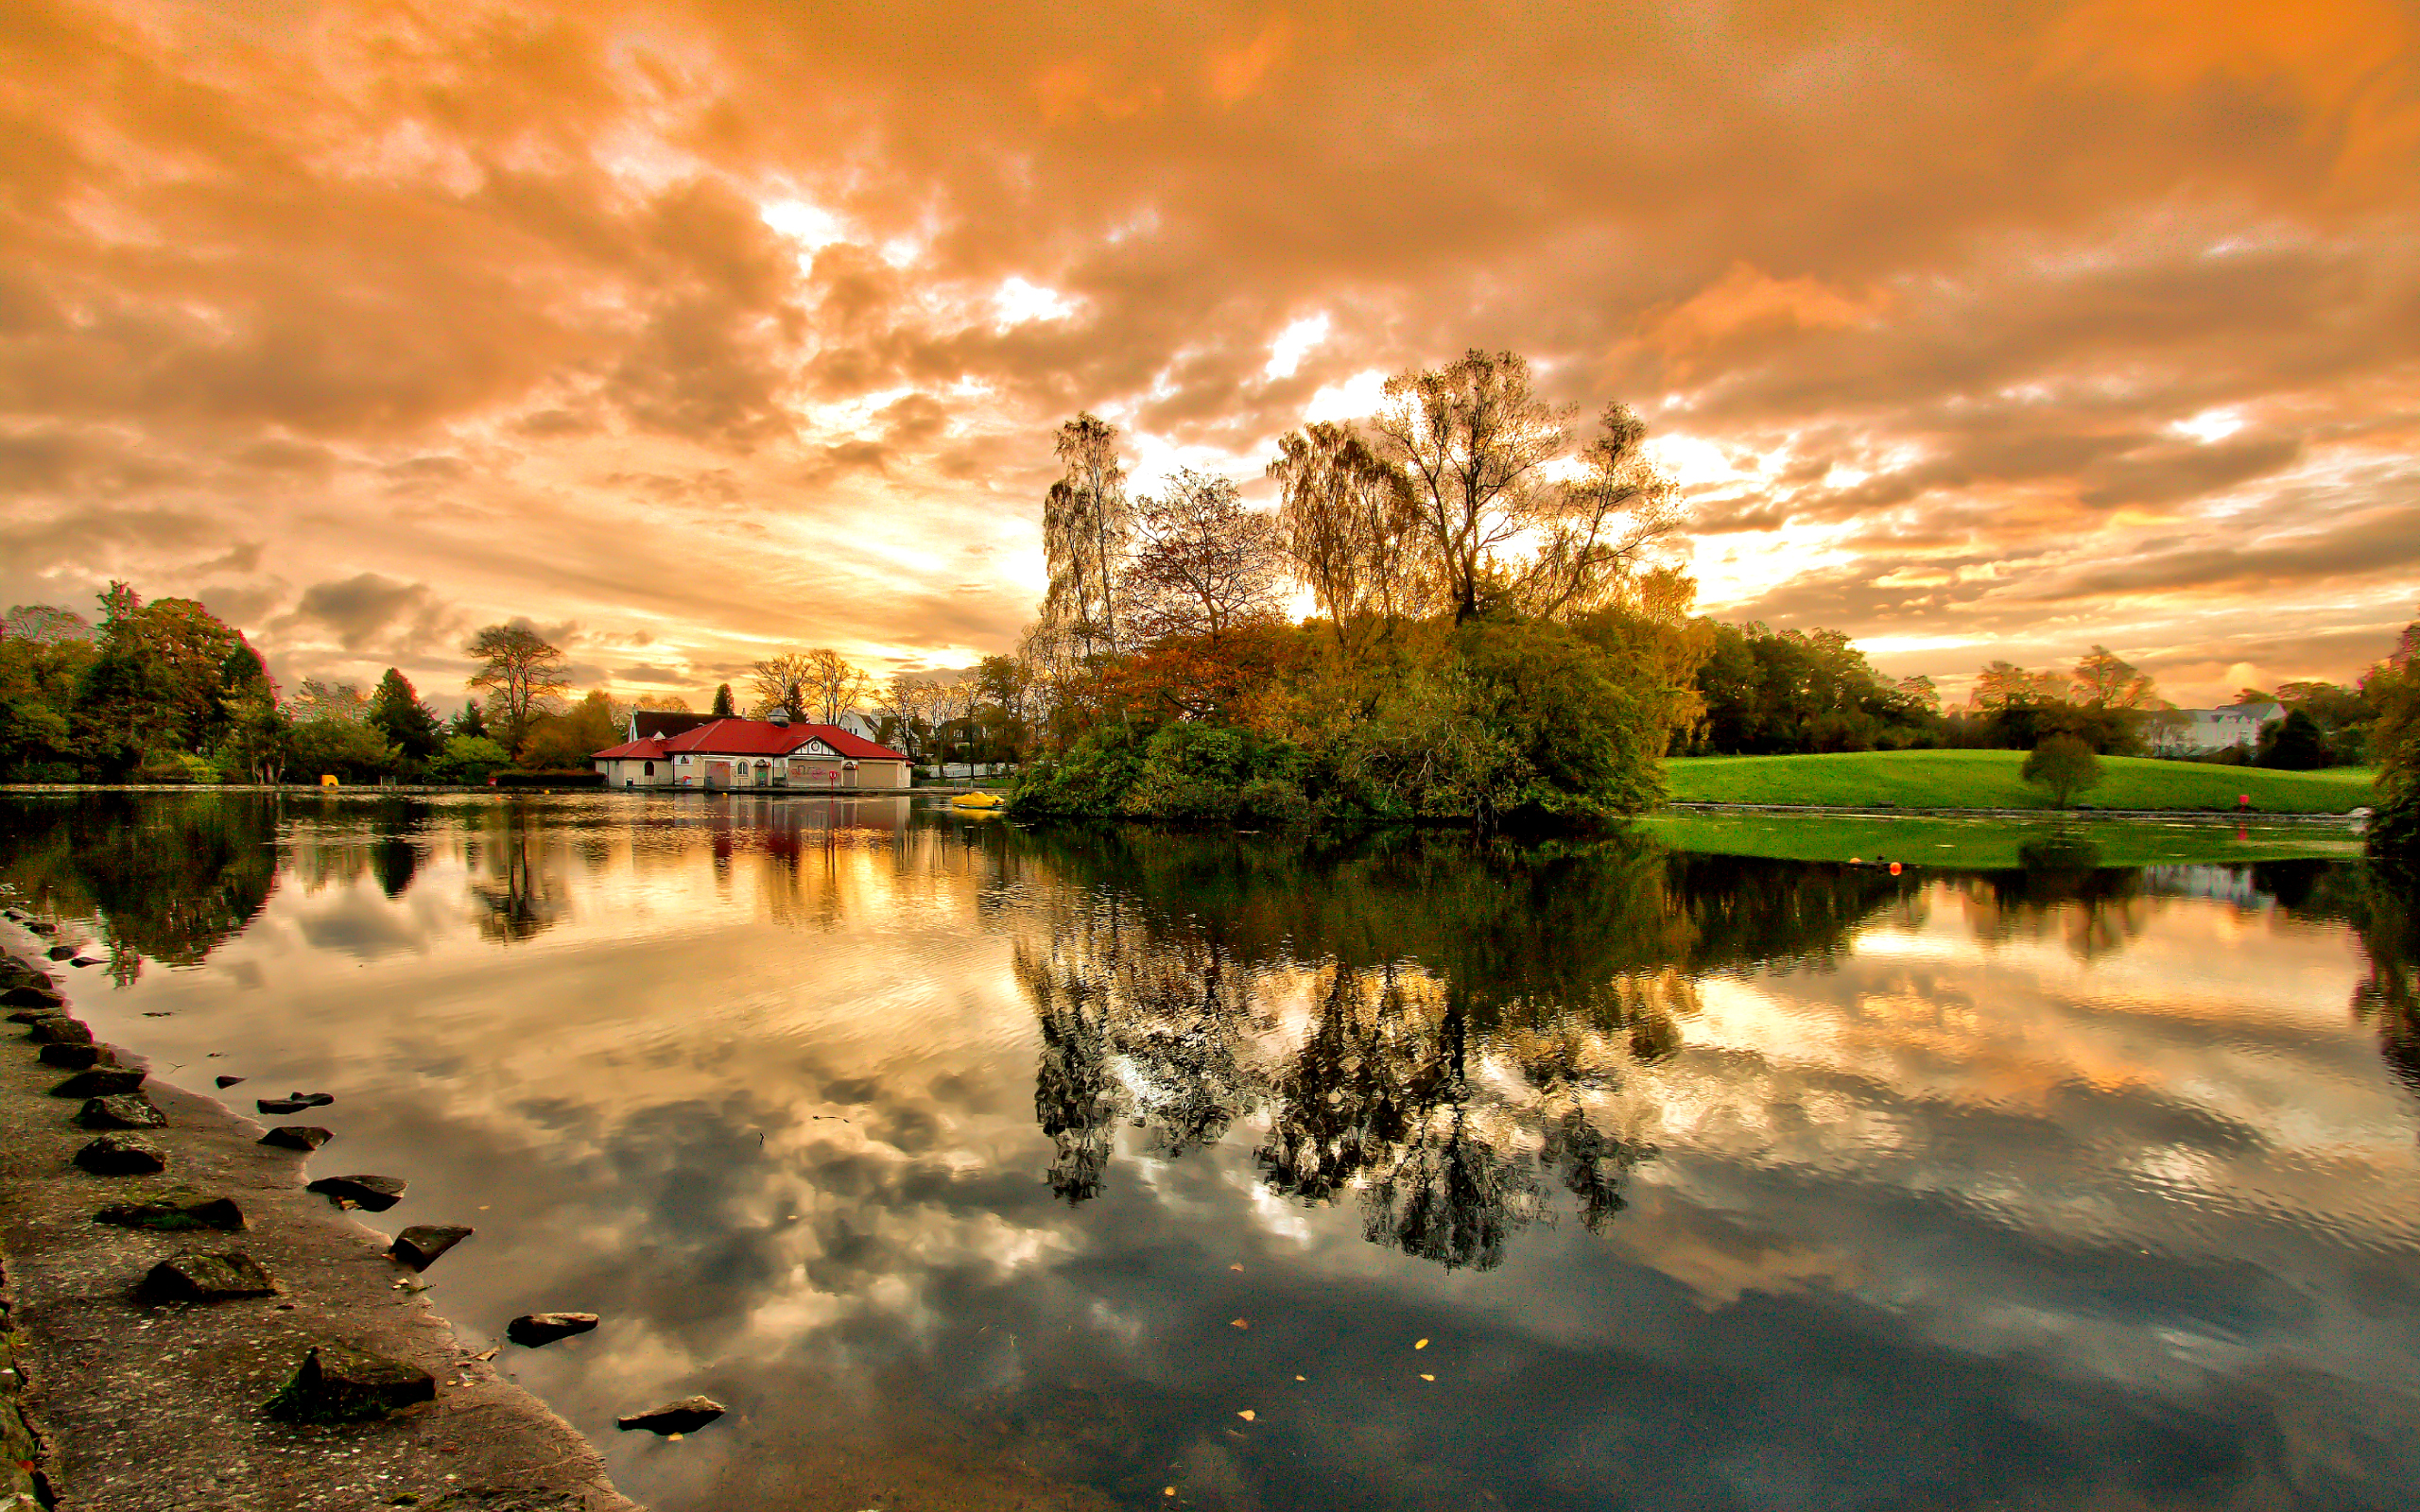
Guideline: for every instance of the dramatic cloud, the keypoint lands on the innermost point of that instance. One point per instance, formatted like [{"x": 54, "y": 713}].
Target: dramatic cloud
[{"x": 719, "y": 327}]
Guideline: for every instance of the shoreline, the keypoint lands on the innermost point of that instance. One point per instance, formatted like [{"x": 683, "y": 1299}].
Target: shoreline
[{"x": 144, "y": 1408}]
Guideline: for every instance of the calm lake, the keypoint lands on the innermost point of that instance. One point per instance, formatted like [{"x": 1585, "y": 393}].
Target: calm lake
[{"x": 972, "y": 1166}]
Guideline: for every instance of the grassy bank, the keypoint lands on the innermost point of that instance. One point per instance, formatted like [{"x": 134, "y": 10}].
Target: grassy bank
[
  {"x": 1989, "y": 779},
  {"x": 1982, "y": 844}
]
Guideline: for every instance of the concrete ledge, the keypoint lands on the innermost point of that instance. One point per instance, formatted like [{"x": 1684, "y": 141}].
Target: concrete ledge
[{"x": 158, "y": 1409}]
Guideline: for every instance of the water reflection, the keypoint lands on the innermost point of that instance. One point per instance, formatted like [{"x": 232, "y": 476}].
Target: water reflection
[{"x": 953, "y": 1156}]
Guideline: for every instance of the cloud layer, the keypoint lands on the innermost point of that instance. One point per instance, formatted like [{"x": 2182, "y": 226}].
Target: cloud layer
[{"x": 708, "y": 327}]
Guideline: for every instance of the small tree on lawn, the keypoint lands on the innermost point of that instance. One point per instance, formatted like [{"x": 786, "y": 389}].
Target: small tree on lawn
[{"x": 2065, "y": 765}]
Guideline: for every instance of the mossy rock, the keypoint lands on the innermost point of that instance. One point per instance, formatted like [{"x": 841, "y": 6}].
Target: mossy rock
[{"x": 336, "y": 1385}]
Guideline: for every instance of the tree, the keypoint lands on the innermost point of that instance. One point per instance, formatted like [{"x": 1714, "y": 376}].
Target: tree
[
  {"x": 835, "y": 684},
  {"x": 45, "y": 625},
  {"x": 1472, "y": 437},
  {"x": 520, "y": 674},
  {"x": 470, "y": 759},
  {"x": 1594, "y": 532},
  {"x": 2293, "y": 744},
  {"x": 780, "y": 683},
  {"x": 259, "y": 740},
  {"x": 952, "y": 696},
  {"x": 2001, "y": 684},
  {"x": 2065, "y": 765},
  {"x": 670, "y": 703},
  {"x": 723, "y": 707},
  {"x": 340, "y": 747},
  {"x": 340, "y": 701},
  {"x": 2102, "y": 681},
  {"x": 1207, "y": 564},
  {"x": 1086, "y": 519},
  {"x": 410, "y": 725},
  {"x": 1921, "y": 692},
  {"x": 1346, "y": 521},
  {"x": 1006, "y": 687},
  {"x": 2392, "y": 688},
  {"x": 565, "y": 741},
  {"x": 909, "y": 710},
  {"x": 159, "y": 685},
  {"x": 468, "y": 720}
]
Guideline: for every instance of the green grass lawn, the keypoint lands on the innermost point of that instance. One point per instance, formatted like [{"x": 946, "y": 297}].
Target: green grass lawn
[
  {"x": 1987, "y": 844},
  {"x": 1989, "y": 779}
]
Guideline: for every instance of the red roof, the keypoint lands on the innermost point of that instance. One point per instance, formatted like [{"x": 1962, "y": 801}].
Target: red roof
[
  {"x": 750, "y": 737},
  {"x": 648, "y": 749}
]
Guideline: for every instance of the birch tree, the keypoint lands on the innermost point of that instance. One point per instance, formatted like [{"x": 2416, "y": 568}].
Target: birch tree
[{"x": 1086, "y": 520}]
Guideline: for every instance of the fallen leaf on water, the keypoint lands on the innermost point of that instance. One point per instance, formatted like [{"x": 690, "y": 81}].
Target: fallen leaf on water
[
  {"x": 1427, "y": 1377},
  {"x": 1238, "y": 1323},
  {"x": 1421, "y": 1345},
  {"x": 672, "y": 1439},
  {"x": 484, "y": 1354},
  {"x": 1234, "y": 1267},
  {"x": 1168, "y": 1490},
  {"x": 1246, "y": 1414},
  {"x": 1301, "y": 1378}
]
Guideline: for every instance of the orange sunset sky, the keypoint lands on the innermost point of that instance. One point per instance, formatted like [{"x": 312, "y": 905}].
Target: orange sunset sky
[{"x": 694, "y": 330}]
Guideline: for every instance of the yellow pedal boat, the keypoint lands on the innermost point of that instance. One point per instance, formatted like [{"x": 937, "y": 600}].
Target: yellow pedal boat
[{"x": 977, "y": 801}]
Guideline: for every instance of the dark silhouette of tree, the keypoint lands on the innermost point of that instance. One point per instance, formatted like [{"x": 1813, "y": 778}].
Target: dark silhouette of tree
[{"x": 724, "y": 708}]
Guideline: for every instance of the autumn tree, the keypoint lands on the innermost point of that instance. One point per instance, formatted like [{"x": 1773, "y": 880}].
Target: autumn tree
[
  {"x": 1086, "y": 520},
  {"x": 520, "y": 674},
  {"x": 667, "y": 703},
  {"x": 2002, "y": 684},
  {"x": 1346, "y": 523},
  {"x": 2102, "y": 681},
  {"x": 162, "y": 682},
  {"x": 1206, "y": 565}
]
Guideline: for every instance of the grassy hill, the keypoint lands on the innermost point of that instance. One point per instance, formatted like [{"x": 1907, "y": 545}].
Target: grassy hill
[{"x": 1989, "y": 779}]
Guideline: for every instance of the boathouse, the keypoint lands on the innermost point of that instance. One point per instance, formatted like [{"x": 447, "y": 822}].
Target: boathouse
[{"x": 754, "y": 753}]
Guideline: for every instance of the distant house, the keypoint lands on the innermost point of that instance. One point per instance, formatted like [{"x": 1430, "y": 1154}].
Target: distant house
[
  {"x": 729, "y": 753},
  {"x": 2183, "y": 731}
]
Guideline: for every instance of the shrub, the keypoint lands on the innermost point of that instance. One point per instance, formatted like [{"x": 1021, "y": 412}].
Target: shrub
[{"x": 469, "y": 759}]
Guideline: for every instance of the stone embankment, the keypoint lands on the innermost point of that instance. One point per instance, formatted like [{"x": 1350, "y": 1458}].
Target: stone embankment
[{"x": 188, "y": 1329}]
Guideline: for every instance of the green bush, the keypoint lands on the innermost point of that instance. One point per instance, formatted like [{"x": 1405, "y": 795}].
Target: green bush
[{"x": 469, "y": 759}]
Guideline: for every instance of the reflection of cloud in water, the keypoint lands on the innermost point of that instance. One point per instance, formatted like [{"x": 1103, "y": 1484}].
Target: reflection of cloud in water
[{"x": 1751, "y": 1182}]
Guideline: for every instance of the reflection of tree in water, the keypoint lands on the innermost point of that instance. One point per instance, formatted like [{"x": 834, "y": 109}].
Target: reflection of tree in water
[
  {"x": 170, "y": 876},
  {"x": 1471, "y": 1018},
  {"x": 2381, "y": 901},
  {"x": 509, "y": 874},
  {"x": 2061, "y": 885}
]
